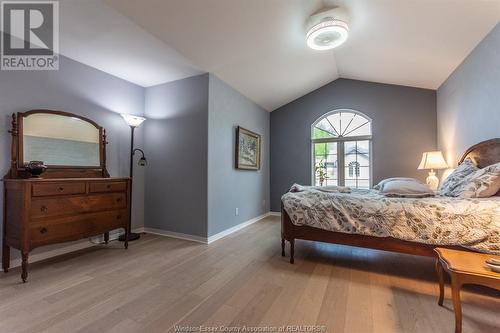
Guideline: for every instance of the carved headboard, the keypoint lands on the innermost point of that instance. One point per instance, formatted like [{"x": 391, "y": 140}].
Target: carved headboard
[{"x": 484, "y": 153}]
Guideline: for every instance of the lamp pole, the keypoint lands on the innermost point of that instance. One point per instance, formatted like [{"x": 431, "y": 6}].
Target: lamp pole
[
  {"x": 131, "y": 154},
  {"x": 133, "y": 121},
  {"x": 131, "y": 235}
]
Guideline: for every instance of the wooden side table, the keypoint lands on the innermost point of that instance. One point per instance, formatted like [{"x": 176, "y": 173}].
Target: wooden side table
[{"x": 464, "y": 268}]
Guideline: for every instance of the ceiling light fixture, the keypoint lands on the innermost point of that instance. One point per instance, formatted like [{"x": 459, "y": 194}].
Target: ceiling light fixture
[{"x": 327, "y": 29}]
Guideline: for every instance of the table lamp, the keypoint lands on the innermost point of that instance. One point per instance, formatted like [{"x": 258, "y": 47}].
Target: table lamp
[{"x": 432, "y": 160}]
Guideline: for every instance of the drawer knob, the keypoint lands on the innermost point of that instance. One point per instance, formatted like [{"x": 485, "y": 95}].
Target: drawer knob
[
  {"x": 118, "y": 199},
  {"x": 108, "y": 186},
  {"x": 60, "y": 189},
  {"x": 118, "y": 217},
  {"x": 44, "y": 209},
  {"x": 43, "y": 230}
]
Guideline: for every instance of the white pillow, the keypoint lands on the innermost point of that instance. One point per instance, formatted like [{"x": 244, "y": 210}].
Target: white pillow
[
  {"x": 483, "y": 183},
  {"x": 381, "y": 184},
  {"x": 406, "y": 189}
]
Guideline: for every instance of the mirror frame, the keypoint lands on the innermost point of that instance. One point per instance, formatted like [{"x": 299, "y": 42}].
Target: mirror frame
[{"x": 18, "y": 170}]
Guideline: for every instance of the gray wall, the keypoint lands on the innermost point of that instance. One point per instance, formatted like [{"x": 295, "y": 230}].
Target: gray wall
[
  {"x": 468, "y": 102},
  {"x": 176, "y": 139},
  {"x": 228, "y": 187},
  {"x": 404, "y": 126},
  {"x": 83, "y": 90}
]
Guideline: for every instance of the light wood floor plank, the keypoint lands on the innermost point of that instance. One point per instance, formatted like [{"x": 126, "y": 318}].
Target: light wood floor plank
[{"x": 242, "y": 279}]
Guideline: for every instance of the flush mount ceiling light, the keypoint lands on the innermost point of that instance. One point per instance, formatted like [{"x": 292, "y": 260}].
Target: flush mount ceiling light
[{"x": 327, "y": 29}]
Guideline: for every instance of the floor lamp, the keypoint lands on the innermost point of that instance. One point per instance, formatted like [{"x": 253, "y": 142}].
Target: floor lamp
[{"x": 133, "y": 122}]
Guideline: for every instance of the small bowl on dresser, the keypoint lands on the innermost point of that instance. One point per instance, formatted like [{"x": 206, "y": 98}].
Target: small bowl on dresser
[{"x": 35, "y": 168}]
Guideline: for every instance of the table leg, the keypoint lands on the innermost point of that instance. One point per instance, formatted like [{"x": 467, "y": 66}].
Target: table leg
[
  {"x": 106, "y": 237},
  {"x": 457, "y": 306},
  {"x": 282, "y": 247},
  {"x": 440, "y": 275}
]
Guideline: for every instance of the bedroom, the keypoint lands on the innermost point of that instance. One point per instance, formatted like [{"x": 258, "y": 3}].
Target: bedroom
[{"x": 194, "y": 119}]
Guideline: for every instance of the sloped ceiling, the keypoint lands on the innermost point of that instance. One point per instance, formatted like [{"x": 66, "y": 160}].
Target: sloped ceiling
[
  {"x": 258, "y": 46},
  {"x": 95, "y": 34}
]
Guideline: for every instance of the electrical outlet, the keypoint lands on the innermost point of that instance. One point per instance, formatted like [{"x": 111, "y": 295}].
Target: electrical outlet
[{"x": 237, "y": 211}]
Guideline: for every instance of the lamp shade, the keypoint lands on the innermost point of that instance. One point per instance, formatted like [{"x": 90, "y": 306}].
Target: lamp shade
[
  {"x": 133, "y": 121},
  {"x": 432, "y": 160}
]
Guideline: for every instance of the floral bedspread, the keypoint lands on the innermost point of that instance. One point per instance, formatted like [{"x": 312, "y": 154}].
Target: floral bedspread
[{"x": 471, "y": 223}]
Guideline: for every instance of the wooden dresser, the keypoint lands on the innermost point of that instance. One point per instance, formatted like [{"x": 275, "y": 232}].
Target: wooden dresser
[{"x": 67, "y": 204}]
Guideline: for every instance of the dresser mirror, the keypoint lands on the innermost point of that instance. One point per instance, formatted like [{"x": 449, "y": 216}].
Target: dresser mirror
[
  {"x": 60, "y": 140},
  {"x": 69, "y": 145}
]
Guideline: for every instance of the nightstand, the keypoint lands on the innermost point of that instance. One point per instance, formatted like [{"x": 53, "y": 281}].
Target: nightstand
[{"x": 464, "y": 268}]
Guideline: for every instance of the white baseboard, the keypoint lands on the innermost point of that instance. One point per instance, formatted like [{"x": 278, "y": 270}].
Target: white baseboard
[
  {"x": 174, "y": 234},
  {"x": 240, "y": 226},
  {"x": 83, "y": 244},
  {"x": 275, "y": 213},
  {"x": 205, "y": 240}
]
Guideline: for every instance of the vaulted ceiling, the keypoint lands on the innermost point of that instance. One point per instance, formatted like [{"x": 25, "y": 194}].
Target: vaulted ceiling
[
  {"x": 258, "y": 46},
  {"x": 95, "y": 34}
]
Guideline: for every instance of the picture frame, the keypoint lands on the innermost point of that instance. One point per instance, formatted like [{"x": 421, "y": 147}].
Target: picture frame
[{"x": 247, "y": 155}]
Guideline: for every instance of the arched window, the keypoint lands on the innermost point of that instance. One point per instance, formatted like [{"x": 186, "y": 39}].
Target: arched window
[{"x": 341, "y": 146}]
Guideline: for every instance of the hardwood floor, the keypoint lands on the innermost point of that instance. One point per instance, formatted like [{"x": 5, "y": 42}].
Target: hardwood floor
[{"x": 239, "y": 280}]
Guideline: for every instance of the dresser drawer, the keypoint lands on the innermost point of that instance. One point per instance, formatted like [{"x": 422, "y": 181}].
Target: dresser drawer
[
  {"x": 62, "y": 188},
  {"x": 96, "y": 187},
  {"x": 72, "y": 205},
  {"x": 76, "y": 227}
]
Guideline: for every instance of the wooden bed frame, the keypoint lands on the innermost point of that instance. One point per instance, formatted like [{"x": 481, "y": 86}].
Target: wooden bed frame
[{"x": 483, "y": 154}]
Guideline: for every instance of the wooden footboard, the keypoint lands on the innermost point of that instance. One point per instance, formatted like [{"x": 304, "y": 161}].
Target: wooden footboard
[{"x": 291, "y": 232}]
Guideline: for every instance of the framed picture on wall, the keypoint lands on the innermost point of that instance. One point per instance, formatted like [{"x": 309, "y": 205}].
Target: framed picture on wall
[{"x": 247, "y": 149}]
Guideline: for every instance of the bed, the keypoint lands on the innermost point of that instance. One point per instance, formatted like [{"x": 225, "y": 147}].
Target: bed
[{"x": 395, "y": 224}]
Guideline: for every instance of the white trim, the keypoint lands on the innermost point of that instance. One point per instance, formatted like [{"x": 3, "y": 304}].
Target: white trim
[
  {"x": 275, "y": 213},
  {"x": 173, "y": 234},
  {"x": 206, "y": 240},
  {"x": 329, "y": 113},
  {"x": 240, "y": 226},
  {"x": 83, "y": 244},
  {"x": 343, "y": 139}
]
